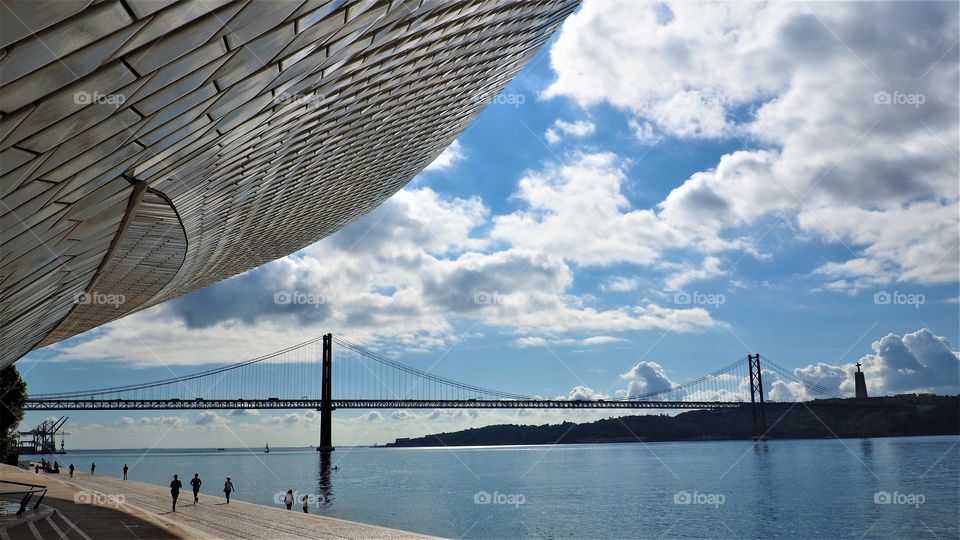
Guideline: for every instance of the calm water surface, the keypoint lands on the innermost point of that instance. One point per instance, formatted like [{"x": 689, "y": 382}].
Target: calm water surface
[{"x": 793, "y": 489}]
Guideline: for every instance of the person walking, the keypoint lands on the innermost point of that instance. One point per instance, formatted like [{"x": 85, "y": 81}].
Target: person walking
[
  {"x": 288, "y": 500},
  {"x": 306, "y": 504},
  {"x": 125, "y": 469},
  {"x": 93, "y": 467},
  {"x": 195, "y": 483},
  {"x": 175, "y": 491},
  {"x": 71, "y": 470},
  {"x": 228, "y": 488}
]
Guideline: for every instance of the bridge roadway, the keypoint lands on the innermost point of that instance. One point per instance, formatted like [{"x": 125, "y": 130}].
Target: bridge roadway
[{"x": 276, "y": 403}]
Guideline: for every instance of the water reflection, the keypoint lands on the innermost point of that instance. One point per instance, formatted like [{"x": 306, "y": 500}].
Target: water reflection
[
  {"x": 866, "y": 448},
  {"x": 324, "y": 487}
]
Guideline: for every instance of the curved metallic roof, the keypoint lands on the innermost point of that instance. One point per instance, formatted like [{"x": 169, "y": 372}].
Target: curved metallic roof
[{"x": 149, "y": 147}]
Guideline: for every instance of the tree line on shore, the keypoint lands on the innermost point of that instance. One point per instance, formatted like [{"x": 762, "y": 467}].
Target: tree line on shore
[{"x": 903, "y": 415}]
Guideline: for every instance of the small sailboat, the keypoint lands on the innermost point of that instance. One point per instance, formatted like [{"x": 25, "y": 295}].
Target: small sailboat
[{"x": 266, "y": 449}]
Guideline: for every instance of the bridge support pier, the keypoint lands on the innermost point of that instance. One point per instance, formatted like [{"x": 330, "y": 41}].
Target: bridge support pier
[
  {"x": 756, "y": 387},
  {"x": 326, "y": 396}
]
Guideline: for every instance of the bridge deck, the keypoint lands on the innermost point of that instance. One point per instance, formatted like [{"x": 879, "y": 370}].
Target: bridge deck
[{"x": 273, "y": 403}]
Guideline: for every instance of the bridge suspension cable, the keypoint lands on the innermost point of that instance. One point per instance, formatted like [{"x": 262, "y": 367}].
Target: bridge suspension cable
[
  {"x": 814, "y": 388},
  {"x": 361, "y": 376},
  {"x": 403, "y": 381}
]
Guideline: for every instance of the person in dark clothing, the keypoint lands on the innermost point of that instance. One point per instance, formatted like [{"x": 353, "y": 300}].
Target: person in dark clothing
[
  {"x": 175, "y": 490},
  {"x": 288, "y": 500},
  {"x": 306, "y": 504},
  {"x": 125, "y": 469},
  {"x": 196, "y": 482},
  {"x": 71, "y": 470},
  {"x": 93, "y": 467},
  {"x": 228, "y": 489}
]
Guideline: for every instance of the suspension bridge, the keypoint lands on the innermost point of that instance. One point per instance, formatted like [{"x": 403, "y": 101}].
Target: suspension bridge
[{"x": 290, "y": 378}]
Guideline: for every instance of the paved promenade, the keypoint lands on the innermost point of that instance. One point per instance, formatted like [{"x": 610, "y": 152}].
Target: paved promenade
[
  {"x": 212, "y": 518},
  {"x": 83, "y": 521}
]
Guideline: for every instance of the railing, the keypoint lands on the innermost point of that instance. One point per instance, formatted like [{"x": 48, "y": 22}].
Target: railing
[{"x": 25, "y": 493}]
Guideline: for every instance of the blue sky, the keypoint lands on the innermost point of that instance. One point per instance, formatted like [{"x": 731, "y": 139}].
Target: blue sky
[{"x": 676, "y": 184}]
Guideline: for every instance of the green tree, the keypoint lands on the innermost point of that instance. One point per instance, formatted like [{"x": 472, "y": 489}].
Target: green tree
[{"x": 13, "y": 394}]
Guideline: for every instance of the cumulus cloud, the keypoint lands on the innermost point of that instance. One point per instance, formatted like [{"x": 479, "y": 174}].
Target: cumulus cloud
[
  {"x": 209, "y": 418},
  {"x": 448, "y": 159},
  {"x": 561, "y": 128},
  {"x": 582, "y": 393},
  {"x": 917, "y": 362},
  {"x": 644, "y": 378},
  {"x": 577, "y": 210},
  {"x": 854, "y": 159},
  {"x": 402, "y": 274}
]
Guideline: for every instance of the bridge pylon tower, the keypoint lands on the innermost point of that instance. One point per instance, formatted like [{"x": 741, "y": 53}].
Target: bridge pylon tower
[
  {"x": 326, "y": 396},
  {"x": 756, "y": 389}
]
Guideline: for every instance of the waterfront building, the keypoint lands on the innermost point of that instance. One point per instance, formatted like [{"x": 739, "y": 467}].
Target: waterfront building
[{"x": 149, "y": 148}]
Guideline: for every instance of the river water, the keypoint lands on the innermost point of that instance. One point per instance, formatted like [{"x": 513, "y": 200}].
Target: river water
[{"x": 855, "y": 488}]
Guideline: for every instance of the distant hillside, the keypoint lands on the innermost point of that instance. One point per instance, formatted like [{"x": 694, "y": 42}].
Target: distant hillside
[{"x": 902, "y": 415}]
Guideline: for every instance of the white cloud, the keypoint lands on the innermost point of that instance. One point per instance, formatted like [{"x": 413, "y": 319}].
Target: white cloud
[
  {"x": 796, "y": 83},
  {"x": 685, "y": 275},
  {"x": 400, "y": 275},
  {"x": 917, "y": 362},
  {"x": 582, "y": 393},
  {"x": 209, "y": 418},
  {"x": 621, "y": 284},
  {"x": 914, "y": 243},
  {"x": 577, "y": 211},
  {"x": 561, "y": 128},
  {"x": 644, "y": 132},
  {"x": 448, "y": 159},
  {"x": 643, "y": 378}
]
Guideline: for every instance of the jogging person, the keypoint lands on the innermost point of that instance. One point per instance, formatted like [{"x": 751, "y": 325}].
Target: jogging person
[{"x": 195, "y": 483}]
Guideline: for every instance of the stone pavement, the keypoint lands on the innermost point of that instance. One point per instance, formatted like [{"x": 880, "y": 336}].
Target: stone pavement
[
  {"x": 212, "y": 518},
  {"x": 66, "y": 518}
]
